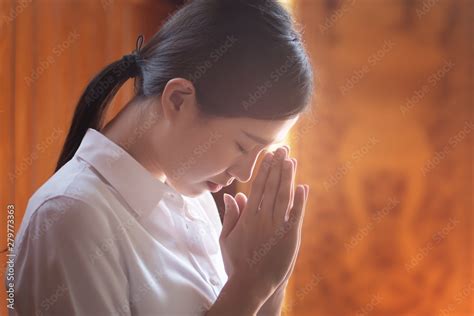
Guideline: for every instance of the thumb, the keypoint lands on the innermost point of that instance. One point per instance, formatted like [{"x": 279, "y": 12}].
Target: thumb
[
  {"x": 231, "y": 215},
  {"x": 241, "y": 200}
]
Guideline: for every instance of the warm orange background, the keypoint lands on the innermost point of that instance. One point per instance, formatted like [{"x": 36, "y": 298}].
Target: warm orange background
[{"x": 387, "y": 150}]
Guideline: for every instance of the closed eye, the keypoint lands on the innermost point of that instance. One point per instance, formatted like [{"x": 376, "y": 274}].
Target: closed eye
[{"x": 240, "y": 148}]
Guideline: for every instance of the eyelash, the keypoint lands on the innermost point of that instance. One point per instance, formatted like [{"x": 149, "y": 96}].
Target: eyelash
[{"x": 240, "y": 148}]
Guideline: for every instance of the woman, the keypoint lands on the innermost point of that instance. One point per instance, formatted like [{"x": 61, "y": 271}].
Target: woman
[{"x": 127, "y": 225}]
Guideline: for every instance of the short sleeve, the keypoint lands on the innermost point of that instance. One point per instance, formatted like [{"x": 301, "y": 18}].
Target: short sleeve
[{"x": 68, "y": 263}]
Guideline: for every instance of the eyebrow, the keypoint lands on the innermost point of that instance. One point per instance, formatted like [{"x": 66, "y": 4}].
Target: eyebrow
[{"x": 258, "y": 139}]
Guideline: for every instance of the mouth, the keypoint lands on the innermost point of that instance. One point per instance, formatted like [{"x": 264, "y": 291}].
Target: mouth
[{"x": 214, "y": 187}]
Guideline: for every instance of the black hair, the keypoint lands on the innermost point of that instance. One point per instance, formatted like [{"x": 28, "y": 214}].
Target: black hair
[{"x": 245, "y": 58}]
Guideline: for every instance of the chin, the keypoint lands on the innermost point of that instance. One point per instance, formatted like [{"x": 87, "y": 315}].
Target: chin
[{"x": 189, "y": 190}]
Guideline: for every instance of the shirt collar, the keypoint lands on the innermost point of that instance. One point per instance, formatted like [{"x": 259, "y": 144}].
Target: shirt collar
[{"x": 140, "y": 189}]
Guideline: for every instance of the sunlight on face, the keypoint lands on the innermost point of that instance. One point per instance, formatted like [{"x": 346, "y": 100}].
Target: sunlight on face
[
  {"x": 222, "y": 150},
  {"x": 198, "y": 152}
]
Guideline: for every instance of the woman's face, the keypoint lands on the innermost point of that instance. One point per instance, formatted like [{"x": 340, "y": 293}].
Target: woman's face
[{"x": 191, "y": 150}]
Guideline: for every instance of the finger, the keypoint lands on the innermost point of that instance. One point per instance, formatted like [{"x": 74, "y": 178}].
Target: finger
[
  {"x": 287, "y": 148},
  {"x": 282, "y": 201},
  {"x": 258, "y": 185},
  {"x": 297, "y": 212},
  {"x": 273, "y": 182},
  {"x": 298, "y": 245},
  {"x": 293, "y": 262},
  {"x": 306, "y": 191},
  {"x": 295, "y": 165},
  {"x": 299, "y": 237},
  {"x": 231, "y": 215},
  {"x": 300, "y": 228},
  {"x": 241, "y": 200}
]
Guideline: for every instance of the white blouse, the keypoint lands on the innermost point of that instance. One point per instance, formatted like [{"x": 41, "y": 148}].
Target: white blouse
[{"x": 104, "y": 237}]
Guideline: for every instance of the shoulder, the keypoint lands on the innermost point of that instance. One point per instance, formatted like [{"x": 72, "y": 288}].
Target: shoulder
[
  {"x": 69, "y": 243},
  {"x": 71, "y": 212},
  {"x": 76, "y": 180},
  {"x": 66, "y": 222},
  {"x": 73, "y": 202},
  {"x": 75, "y": 192}
]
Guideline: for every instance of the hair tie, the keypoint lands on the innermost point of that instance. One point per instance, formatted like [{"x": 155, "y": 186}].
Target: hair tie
[{"x": 131, "y": 60}]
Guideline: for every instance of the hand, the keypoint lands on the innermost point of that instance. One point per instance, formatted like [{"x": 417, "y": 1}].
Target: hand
[
  {"x": 232, "y": 215},
  {"x": 273, "y": 304},
  {"x": 262, "y": 243}
]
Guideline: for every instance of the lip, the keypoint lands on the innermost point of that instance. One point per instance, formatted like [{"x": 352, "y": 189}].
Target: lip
[{"x": 214, "y": 187}]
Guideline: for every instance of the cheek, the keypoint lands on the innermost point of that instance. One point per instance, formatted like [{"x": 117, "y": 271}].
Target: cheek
[
  {"x": 212, "y": 161},
  {"x": 199, "y": 159}
]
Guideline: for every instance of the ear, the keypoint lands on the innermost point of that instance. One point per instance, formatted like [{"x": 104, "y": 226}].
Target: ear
[{"x": 177, "y": 93}]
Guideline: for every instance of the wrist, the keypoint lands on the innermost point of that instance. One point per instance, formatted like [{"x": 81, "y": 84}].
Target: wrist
[
  {"x": 239, "y": 296},
  {"x": 274, "y": 304},
  {"x": 256, "y": 293}
]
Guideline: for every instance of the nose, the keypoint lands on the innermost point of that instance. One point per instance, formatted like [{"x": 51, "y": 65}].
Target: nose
[{"x": 243, "y": 170}]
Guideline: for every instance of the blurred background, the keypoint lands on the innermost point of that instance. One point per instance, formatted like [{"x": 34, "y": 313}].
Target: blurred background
[{"x": 387, "y": 150}]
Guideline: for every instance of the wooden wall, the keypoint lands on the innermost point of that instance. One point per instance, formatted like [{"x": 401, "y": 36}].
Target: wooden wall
[
  {"x": 388, "y": 155},
  {"x": 388, "y": 151},
  {"x": 50, "y": 49}
]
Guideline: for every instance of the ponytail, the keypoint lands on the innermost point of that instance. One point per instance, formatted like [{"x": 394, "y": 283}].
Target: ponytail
[
  {"x": 244, "y": 60},
  {"x": 94, "y": 101}
]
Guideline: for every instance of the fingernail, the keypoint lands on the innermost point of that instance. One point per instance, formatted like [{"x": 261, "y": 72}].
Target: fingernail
[
  {"x": 280, "y": 153},
  {"x": 226, "y": 200},
  {"x": 287, "y": 164},
  {"x": 301, "y": 186},
  {"x": 268, "y": 157}
]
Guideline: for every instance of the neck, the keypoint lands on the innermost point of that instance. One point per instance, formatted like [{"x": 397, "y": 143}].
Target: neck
[{"x": 130, "y": 129}]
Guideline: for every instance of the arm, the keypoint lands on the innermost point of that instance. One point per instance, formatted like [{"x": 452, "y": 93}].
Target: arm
[
  {"x": 274, "y": 303},
  {"x": 239, "y": 297},
  {"x": 58, "y": 270}
]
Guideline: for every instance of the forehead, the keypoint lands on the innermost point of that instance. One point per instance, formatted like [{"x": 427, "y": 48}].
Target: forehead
[{"x": 266, "y": 129}]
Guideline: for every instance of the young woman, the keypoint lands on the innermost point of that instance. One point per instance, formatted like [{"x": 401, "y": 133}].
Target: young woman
[{"x": 127, "y": 225}]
